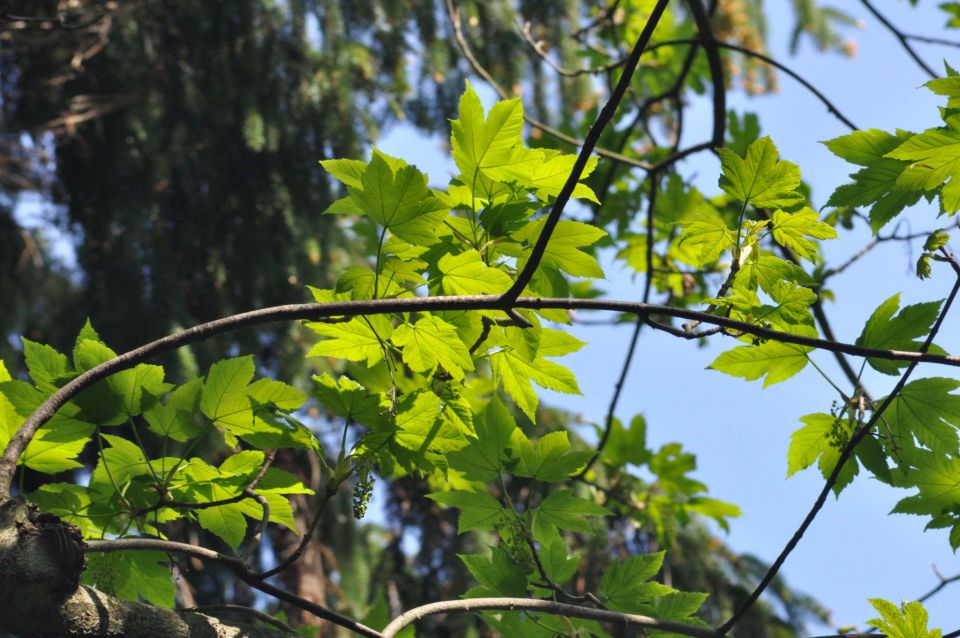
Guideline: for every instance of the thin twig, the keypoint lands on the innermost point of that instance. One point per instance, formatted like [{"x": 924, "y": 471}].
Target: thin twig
[
  {"x": 901, "y": 36},
  {"x": 831, "y": 107},
  {"x": 634, "y": 338},
  {"x": 929, "y": 40},
  {"x": 328, "y": 493},
  {"x": 247, "y": 549},
  {"x": 537, "y": 47}
]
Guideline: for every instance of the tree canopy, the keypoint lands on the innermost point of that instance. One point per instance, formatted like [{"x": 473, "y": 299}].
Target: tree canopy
[{"x": 148, "y": 492}]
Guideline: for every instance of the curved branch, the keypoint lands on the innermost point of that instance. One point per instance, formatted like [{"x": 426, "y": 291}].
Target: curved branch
[
  {"x": 845, "y": 455},
  {"x": 778, "y": 65},
  {"x": 319, "y": 311},
  {"x": 605, "y": 116},
  {"x": 469, "y": 605}
]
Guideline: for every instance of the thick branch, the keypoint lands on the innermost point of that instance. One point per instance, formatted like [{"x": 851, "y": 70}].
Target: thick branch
[
  {"x": 316, "y": 312},
  {"x": 470, "y": 605}
]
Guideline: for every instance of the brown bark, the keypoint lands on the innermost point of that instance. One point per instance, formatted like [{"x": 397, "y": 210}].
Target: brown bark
[{"x": 41, "y": 561}]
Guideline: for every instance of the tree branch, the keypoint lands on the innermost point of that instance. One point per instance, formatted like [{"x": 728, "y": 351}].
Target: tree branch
[
  {"x": 831, "y": 107},
  {"x": 901, "y": 36},
  {"x": 605, "y": 116},
  {"x": 318, "y": 311},
  {"x": 469, "y": 605},
  {"x": 845, "y": 455}
]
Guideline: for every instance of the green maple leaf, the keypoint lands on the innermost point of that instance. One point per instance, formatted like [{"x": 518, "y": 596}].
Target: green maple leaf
[
  {"x": 420, "y": 427},
  {"x": 478, "y": 511},
  {"x": 907, "y": 621},
  {"x": 466, "y": 274},
  {"x": 563, "y": 510},
  {"x": 397, "y": 198},
  {"x": 626, "y": 445},
  {"x": 885, "y": 331},
  {"x": 133, "y": 575},
  {"x": 764, "y": 269},
  {"x": 119, "y": 396},
  {"x": 44, "y": 364},
  {"x": 251, "y": 412},
  {"x": 679, "y": 606},
  {"x": 119, "y": 464},
  {"x": 56, "y": 446},
  {"x": 563, "y": 251},
  {"x": 760, "y": 178},
  {"x": 925, "y": 409},
  {"x": 174, "y": 419},
  {"x": 484, "y": 457},
  {"x": 359, "y": 339},
  {"x": 348, "y": 171},
  {"x": 878, "y": 184},
  {"x": 934, "y": 158},
  {"x": 491, "y": 145},
  {"x": 203, "y": 483},
  {"x": 226, "y": 521},
  {"x": 556, "y": 343},
  {"x": 816, "y": 442},
  {"x": 276, "y": 393},
  {"x": 774, "y": 360},
  {"x": 550, "y": 459},
  {"x": 937, "y": 480},
  {"x": 791, "y": 230},
  {"x": 433, "y": 341},
  {"x": 623, "y": 587},
  {"x": 706, "y": 235},
  {"x": 224, "y": 392},
  {"x": 515, "y": 372},
  {"x": 557, "y": 563},
  {"x": 499, "y": 575},
  {"x": 793, "y": 305},
  {"x": 348, "y": 399},
  {"x": 550, "y": 176},
  {"x": 865, "y": 147}
]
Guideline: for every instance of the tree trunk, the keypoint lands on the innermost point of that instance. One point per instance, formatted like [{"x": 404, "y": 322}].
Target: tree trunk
[{"x": 41, "y": 560}]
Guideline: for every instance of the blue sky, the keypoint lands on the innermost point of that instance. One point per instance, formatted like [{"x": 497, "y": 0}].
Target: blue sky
[{"x": 854, "y": 550}]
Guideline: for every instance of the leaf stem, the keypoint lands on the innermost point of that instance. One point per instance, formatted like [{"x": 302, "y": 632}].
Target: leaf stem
[{"x": 827, "y": 378}]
